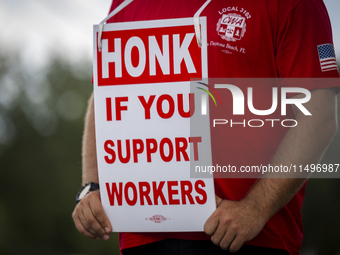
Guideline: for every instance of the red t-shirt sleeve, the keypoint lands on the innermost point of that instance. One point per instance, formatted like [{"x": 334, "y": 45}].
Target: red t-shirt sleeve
[{"x": 301, "y": 31}]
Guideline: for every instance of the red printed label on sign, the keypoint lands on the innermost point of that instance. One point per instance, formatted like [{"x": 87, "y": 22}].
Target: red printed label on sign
[{"x": 151, "y": 55}]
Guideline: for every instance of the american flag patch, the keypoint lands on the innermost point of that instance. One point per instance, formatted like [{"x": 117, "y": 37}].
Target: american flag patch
[{"x": 327, "y": 57}]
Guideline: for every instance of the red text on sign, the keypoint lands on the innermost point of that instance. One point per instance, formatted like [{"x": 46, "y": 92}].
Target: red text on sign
[
  {"x": 151, "y": 55},
  {"x": 152, "y": 193},
  {"x": 166, "y": 148},
  {"x": 120, "y": 104}
]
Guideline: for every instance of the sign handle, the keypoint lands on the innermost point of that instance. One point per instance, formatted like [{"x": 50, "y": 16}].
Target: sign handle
[
  {"x": 127, "y": 2},
  {"x": 197, "y": 22},
  {"x": 101, "y": 24}
]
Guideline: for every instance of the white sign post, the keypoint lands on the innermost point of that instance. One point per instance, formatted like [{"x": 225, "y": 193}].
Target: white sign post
[{"x": 142, "y": 116}]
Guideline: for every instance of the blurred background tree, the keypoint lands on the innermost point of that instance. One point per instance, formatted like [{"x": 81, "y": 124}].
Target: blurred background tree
[{"x": 41, "y": 123}]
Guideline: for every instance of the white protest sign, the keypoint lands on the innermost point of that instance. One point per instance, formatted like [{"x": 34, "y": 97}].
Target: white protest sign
[{"x": 143, "y": 107}]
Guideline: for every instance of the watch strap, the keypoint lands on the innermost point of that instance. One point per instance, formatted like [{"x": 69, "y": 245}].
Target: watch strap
[{"x": 93, "y": 186}]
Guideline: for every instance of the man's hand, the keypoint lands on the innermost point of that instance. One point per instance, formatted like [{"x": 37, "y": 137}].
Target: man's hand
[
  {"x": 90, "y": 218},
  {"x": 233, "y": 223}
]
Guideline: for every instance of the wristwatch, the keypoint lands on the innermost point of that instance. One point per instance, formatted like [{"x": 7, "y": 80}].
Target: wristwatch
[{"x": 86, "y": 189}]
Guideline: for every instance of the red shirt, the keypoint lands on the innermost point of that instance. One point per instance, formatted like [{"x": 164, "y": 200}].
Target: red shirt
[{"x": 278, "y": 38}]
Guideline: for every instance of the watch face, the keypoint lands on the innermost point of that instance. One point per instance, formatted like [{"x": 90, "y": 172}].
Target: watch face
[{"x": 84, "y": 192}]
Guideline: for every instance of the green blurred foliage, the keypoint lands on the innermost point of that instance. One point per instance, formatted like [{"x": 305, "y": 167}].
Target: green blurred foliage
[
  {"x": 321, "y": 208},
  {"x": 41, "y": 123}
]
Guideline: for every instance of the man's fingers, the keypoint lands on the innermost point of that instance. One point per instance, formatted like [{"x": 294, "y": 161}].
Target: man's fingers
[
  {"x": 236, "y": 243},
  {"x": 218, "y": 200},
  {"x": 84, "y": 231},
  {"x": 218, "y": 235},
  {"x": 92, "y": 224},
  {"x": 232, "y": 224},
  {"x": 90, "y": 218},
  {"x": 80, "y": 226},
  {"x": 227, "y": 239},
  {"x": 212, "y": 222},
  {"x": 100, "y": 216},
  {"x": 211, "y": 225}
]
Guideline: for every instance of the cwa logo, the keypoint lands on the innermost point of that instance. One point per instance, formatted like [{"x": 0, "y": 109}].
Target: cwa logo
[
  {"x": 231, "y": 27},
  {"x": 232, "y": 24}
]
